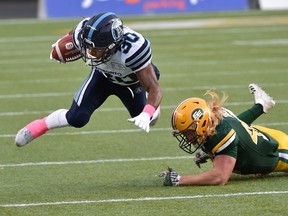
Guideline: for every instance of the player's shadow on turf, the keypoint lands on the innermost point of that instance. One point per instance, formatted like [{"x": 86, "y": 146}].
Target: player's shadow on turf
[{"x": 255, "y": 177}]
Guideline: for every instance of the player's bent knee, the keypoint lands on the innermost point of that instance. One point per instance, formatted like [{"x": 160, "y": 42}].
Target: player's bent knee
[{"x": 78, "y": 121}]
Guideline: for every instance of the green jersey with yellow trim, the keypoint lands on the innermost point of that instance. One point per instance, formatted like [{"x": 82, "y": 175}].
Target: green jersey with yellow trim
[{"x": 255, "y": 151}]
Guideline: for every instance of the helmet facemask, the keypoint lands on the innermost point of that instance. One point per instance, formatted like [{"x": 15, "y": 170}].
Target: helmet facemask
[
  {"x": 92, "y": 60},
  {"x": 189, "y": 140}
]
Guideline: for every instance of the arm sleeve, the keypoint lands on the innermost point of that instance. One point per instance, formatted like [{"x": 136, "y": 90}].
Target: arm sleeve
[{"x": 251, "y": 114}]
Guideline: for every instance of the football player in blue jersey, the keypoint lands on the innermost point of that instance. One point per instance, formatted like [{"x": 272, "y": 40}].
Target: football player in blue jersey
[
  {"x": 232, "y": 142},
  {"x": 121, "y": 62}
]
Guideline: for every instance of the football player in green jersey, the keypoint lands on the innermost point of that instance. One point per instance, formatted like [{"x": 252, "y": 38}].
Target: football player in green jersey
[{"x": 232, "y": 142}]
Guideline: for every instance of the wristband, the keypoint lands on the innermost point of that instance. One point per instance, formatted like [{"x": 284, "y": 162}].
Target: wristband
[{"x": 149, "y": 109}]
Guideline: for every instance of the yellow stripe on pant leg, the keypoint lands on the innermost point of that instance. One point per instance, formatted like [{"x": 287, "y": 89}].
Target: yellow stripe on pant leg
[
  {"x": 282, "y": 140},
  {"x": 281, "y": 167}
]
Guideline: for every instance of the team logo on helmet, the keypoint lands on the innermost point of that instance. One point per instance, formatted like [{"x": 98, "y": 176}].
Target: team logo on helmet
[
  {"x": 197, "y": 114},
  {"x": 117, "y": 29}
]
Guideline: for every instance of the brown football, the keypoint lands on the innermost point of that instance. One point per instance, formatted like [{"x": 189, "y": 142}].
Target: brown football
[{"x": 64, "y": 50}]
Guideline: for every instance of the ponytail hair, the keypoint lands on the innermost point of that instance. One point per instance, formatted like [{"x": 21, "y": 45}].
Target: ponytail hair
[{"x": 216, "y": 103}]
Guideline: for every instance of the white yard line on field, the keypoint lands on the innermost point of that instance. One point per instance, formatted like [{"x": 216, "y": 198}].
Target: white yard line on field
[
  {"x": 172, "y": 89},
  {"x": 81, "y": 132},
  {"x": 145, "y": 199},
  {"x": 116, "y": 109},
  {"x": 95, "y": 161},
  {"x": 32, "y": 95}
]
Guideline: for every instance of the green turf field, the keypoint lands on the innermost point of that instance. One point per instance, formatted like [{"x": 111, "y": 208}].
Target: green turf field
[{"x": 109, "y": 167}]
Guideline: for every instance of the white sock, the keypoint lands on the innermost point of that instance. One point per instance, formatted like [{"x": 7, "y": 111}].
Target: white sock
[{"x": 57, "y": 119}]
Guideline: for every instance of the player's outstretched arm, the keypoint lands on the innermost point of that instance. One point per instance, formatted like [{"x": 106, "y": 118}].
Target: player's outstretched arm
[
  {"x": 223, "y": 166},
  {"x": 148, "y": 80}
]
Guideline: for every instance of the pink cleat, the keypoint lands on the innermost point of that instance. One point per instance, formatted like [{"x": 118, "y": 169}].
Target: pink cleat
[{"x": 31, "y": 132}]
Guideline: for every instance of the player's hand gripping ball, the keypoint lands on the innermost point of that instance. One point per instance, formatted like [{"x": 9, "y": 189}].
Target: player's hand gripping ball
[{"x": 64, "y": 50}]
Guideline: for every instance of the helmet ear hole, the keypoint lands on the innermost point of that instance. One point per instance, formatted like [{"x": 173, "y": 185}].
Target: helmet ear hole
[{"x": 204, "y": 123}]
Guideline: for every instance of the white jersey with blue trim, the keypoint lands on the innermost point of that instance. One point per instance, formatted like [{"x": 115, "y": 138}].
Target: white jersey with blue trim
[{"x": 133, "y": 54}]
